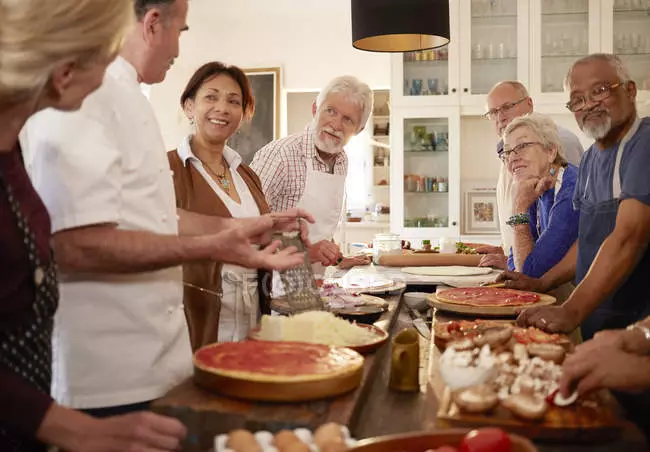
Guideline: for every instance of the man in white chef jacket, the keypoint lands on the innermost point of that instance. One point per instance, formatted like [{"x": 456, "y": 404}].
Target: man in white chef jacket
[
  {"x": 120, "y": 338},
  {"x": 308, "y": 169}
]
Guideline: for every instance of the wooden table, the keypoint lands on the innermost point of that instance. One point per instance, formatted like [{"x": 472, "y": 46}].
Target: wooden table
[{"x": 371, "y": 410}]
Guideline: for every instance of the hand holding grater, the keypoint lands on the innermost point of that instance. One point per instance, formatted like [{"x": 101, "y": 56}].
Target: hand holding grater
[{"x": 300, "y": 288}]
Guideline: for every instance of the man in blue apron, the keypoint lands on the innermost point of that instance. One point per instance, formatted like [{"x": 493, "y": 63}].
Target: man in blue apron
[{"x": 611, "y": 262}]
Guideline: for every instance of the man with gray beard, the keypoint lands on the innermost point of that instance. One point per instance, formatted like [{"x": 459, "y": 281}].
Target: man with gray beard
[
  {"x": 611, "y": 259},
  {"x": 308, "y": 169}
]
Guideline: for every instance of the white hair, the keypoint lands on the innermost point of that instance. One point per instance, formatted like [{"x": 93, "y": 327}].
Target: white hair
[
  {"x": 545, "y": 129},
  {"x": 353, "y": 89},
  {"x": 614, "y": 61}
]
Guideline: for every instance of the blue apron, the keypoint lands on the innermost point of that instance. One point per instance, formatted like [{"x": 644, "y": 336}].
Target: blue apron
[{"x": 631, "y": 301}]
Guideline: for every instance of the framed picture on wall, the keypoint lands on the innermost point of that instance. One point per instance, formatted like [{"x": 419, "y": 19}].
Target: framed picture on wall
[
  {"x": 265, "y": 125},
  {"x": 481, "y": 216}
]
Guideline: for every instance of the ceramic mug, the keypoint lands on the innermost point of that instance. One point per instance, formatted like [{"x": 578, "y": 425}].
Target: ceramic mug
[{"x": 405, "y": 361}]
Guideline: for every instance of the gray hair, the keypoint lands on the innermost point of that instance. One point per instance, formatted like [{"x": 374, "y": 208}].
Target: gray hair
[
  {"x": 515, "y": 84},
  {"x": 353, "y": 89},
  {"x": 542, "y": 126},
  {"x": 143, "y": 6},
  {"x": 614, "y": 61}
]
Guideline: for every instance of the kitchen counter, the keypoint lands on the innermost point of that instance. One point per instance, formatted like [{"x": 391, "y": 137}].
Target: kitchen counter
[{"x": 371, "y": 410}]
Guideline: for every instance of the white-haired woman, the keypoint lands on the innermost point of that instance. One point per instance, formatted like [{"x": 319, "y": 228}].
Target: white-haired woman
[
  {"x": 52, "y": 55},
  {"x": 544, "y": 222},
  {"x": 308, "y": 169}
]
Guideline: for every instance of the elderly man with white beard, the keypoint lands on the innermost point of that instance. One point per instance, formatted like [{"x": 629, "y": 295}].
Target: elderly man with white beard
[
  {"x": 611, "y": 259},
  {"x": 308, "y": 169}
]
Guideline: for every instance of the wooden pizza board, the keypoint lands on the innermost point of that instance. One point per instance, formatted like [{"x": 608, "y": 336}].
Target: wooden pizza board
[
  {"x": 291, "y": 390},
  {"x": 281, "y": 304},
  {"x": 488, "y": 311},
  {"x": 595, "y": 421},
  {"x": 429, "y": 260}
]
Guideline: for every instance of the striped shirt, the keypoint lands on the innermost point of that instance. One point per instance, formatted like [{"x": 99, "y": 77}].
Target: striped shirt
[{"x": 282, "y": 167}]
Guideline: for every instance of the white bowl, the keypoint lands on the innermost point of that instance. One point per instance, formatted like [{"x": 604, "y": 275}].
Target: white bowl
[{"x": 417, "y": 300}]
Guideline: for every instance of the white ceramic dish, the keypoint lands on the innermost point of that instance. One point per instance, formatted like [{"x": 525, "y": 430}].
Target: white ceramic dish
[{"x": 417, "y": 300}]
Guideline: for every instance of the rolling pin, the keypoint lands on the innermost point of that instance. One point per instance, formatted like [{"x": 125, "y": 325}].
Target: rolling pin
[{"x": 429, "y": 260}]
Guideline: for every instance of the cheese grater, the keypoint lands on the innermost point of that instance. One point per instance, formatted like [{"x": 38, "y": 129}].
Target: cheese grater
[{"x": 300, "y": 288}]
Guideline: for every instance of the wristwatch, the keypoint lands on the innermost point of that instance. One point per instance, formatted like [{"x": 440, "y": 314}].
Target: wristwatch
[{"x": 644, "y": 329}]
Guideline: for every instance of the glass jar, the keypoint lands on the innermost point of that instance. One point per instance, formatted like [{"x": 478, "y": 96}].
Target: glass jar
[{"x": 385, "y": 244}]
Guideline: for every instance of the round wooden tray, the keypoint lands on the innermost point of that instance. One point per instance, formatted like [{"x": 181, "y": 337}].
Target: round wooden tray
[
  {"x": 382, "y": 337},
  {"x": 294, "y": 389},
  {"x": 281, "y": 305},
  {"x": 421, "y": 441},
  {"x": 489, "y": 311}
]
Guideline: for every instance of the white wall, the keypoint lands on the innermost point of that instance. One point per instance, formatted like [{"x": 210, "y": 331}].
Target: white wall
[{"x": 310, "y": 40}]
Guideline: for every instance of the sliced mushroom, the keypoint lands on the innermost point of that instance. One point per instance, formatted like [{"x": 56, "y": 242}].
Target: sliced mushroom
[
  {"x": 561, "y": 401},
  {"x": 498, "y": 336},
  {"x": 462, "y": 344},
  {"x": 547, "y": 352},
  {"x": 519, "y": 351},
  {"x": 476, "y": 399},
  {"x": 526, "y": 406}
]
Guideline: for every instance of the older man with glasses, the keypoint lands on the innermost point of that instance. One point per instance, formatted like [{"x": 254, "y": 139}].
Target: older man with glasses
[{"x": 506, "y": 101}]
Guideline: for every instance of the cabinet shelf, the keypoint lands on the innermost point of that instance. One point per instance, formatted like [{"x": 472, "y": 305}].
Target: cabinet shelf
[
  {"x": 565, "y": 13},
  {"x": 494, "y": 16},
  {"x": 558, "y": 57},
  {"x": 494, "y": 60},
  {"x": 427, "y": 151},
  {"x": 428, "y": 193},
  {"x": 426, "y": 63}
]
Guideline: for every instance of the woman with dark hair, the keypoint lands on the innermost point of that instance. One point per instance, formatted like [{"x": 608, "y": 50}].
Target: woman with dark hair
[{"x": 222, "y": 301}]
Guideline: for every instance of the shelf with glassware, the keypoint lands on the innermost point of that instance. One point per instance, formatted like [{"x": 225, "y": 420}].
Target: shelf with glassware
[
  {"x": 631, "y": 39},
  {"x": 381, "y": 155},
  {"x": 423, "y": 144}
]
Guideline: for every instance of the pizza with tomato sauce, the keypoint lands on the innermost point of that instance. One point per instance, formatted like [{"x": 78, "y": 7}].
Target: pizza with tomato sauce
[
  {"x": 487, "y": 297},
  {"x": 279, "y": 362},
  {"x": 460, "y": 329}
]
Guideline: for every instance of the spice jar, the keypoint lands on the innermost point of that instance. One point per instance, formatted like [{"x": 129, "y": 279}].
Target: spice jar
[{"x": 385, "y": 244}]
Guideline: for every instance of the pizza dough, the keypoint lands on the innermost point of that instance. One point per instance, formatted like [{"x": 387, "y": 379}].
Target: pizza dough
[{"x": 452, "y": 270}]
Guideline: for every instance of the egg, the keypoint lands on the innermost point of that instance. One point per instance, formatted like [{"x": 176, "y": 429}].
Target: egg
[
  {"x": 242, "y": 441},
  {"x": 334, "y": 445},
  {"x": 285, "y": 438},
  {"x": 296, "y": 447},
  {"x": 327, "y": 432}
]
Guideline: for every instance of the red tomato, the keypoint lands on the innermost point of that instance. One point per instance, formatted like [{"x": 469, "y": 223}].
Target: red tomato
[
  {"x": 486, "y": 440},
  {"x": 453, "y": 326}
]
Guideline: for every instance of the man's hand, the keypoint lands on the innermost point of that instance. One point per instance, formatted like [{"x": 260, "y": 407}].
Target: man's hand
[
  {"x": 325, "y": 252},
  {"x": 349, "y": 262},
  {"x": 553, "y": 319},
  {"x": 499, "y": 261},
  {"x": 293, "y": 220},
  {"x": 236, "y": 246},
  {"x": 519, "y": 281},
  {"x": 599, "y": 364},
  {"x": 527, "y": 191}
]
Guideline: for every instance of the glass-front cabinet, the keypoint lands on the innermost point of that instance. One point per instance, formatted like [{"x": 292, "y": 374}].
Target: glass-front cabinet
[
  {"x": 627, "y": 34},
  {"x": 494, "y": 45},
  {"x": 563, "y": 31},
  {"x": 425, "y": 147}
]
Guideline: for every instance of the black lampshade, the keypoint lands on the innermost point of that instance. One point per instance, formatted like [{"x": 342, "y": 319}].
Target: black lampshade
[{"x": 399, "y": 25}]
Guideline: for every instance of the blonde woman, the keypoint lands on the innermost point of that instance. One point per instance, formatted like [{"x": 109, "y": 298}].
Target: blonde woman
[{"x": 52, "y": 55}]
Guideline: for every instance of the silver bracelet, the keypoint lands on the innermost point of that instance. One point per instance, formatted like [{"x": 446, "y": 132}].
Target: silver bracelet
[{"x": 644, "y": 329}]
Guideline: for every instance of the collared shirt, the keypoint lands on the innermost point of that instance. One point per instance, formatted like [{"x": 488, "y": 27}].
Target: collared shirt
[
  {"x": 118, "y": 339},
  {"x": 282, "y": 168}
]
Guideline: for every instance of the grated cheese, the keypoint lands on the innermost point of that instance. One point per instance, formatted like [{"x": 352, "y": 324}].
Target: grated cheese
[{"x": 316, "y": 327}]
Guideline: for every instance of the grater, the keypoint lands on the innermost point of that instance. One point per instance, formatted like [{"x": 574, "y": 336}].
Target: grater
[{"x": 301, "y": 292}]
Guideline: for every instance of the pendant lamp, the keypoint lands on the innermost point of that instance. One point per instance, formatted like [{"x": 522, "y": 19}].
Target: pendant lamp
[{"x": 399, "y": 25}]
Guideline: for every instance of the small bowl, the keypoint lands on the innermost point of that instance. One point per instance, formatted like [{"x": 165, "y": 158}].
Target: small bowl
[
  {"x": 360, "y": 314},
  {"x": 417, "y": 300}
]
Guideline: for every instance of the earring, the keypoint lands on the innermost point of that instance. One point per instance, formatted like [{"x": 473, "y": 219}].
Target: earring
[
  {"x": 191, "y": 121},
  {"x": 552, "y": 171}
]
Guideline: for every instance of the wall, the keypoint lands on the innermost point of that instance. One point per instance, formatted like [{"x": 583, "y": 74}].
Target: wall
[{"x": 310, "y": 40}]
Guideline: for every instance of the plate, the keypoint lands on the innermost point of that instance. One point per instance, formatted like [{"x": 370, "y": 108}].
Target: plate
[
  {"x": 382, "y": 337},
  {"x": 447, "y": 270},
  {"x": 489, "y": 311},
  {"x": 422, "y": 441}
]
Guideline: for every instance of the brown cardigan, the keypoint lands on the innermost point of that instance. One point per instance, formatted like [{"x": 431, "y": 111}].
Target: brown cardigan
[{"x": 194, "y": 194}]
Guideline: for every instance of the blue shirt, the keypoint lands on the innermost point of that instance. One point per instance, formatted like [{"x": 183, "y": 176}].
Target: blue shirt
[{"x": 553, "y": 226}]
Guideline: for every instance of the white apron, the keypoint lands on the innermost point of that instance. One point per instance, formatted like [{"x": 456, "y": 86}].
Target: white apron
[{"x": 323, "y": 199}]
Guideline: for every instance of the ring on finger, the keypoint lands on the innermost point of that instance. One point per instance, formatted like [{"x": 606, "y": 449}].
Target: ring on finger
[{"x": 543, "y": 321}]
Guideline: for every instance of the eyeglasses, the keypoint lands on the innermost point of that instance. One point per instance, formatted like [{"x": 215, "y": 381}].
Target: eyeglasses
[
  {"x": 494, "y": 113},
  {"x": 598, "y": 93},
  {"x": 505, "y": 155}
]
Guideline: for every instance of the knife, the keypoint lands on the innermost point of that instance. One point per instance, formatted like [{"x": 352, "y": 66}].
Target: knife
[{"x": 419, "y": 323}]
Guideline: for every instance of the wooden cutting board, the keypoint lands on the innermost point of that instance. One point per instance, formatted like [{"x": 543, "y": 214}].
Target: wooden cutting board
[
  {"x": 487, "y": 311},
  {"x": 593, "y": 421},
  {"x": 429, "y": 259}
]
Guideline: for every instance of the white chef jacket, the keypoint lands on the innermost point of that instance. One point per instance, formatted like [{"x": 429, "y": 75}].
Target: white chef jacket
[
  {"x": 240, "y": 299},
  {"x": 118, "y": 339}
]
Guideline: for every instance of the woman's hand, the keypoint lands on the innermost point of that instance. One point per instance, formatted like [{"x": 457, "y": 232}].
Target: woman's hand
[
  {"x": 528, "y": 190},
  {"x": 552, "y": 319},
  {"x": 499, "y": 261}
]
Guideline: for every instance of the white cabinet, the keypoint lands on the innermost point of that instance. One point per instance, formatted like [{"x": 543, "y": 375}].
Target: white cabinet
[{"x": 425, "y": 172}]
